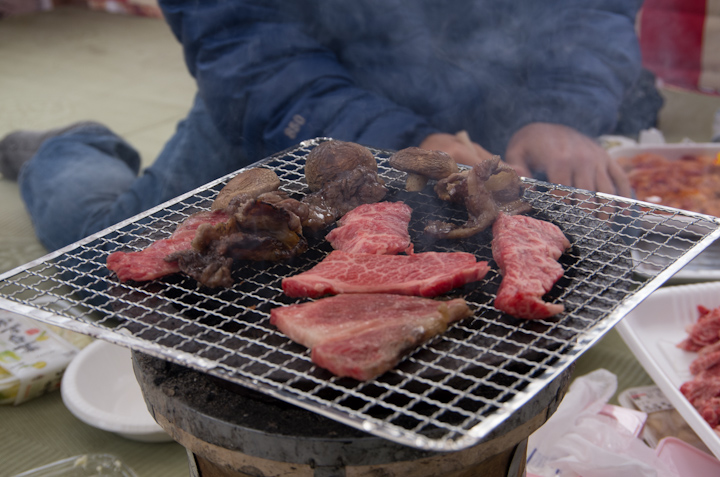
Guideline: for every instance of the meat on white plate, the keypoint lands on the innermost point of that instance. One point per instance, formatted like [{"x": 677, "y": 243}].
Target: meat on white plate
[
  {"x": 379, "y": 228},
  {"x": 364, "y": 335},
  {"x": 425, "y": 274},
  {"x": 703, "y": 390},
  {"x": 527, "y": 250},
  {"x": 704, "y": 332}
]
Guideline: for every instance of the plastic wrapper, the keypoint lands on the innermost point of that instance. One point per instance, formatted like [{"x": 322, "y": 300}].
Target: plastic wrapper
[
  {"x": 580, "y": 441},
  {"x": 86, "y": 465}
]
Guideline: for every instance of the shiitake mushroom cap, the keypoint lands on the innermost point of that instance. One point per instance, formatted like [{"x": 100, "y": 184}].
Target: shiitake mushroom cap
[
  {"x": 424, "y": 162},
  {"x": 330, "y": 159},
  {"x": 251, "y": 182}
]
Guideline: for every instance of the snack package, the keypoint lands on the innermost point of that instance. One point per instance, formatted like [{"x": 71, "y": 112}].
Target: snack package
[
  {"x": 32, "y": 358},
  {"x": 663, "y": 420}
]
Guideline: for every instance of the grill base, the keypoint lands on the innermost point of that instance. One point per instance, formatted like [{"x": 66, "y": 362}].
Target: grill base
[
  {"x": 232, "y": 431},
  {"x": 508, "y": 463}
]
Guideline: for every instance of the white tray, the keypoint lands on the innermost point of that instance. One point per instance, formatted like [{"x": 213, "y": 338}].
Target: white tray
[
  {"x": 672, "y": 151},
  {"x": 652, "y": 331},
  {"x": 706, "y": 266}
]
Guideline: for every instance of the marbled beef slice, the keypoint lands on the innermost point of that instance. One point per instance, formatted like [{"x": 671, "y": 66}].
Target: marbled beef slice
[
  {"x": 527, "y": 250},
  {"x": 426, "y": 274},
  {"x": 364, "y": 335},
  {"x": 380, "y": 228}
]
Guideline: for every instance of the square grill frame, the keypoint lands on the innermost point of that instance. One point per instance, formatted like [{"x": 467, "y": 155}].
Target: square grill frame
[{"x": 448, "y": 394}]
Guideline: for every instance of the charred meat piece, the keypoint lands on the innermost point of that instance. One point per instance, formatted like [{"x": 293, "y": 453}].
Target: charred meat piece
[
  {"x": 379, "y": 228},
  {"x": 267, "y": 234},
  {"x": 256, "y": 230},
  {"x": 426, "y": 274},
  {"x": 299, "y": 211},
  {"x": 341, "y": 195},
  {"x": 341, "y": 176},
  {"x": 260, "y": 222},
  {"x": 363, "y": 336},
  {"x": 486, "y": 190},
  {"x": 152, "y": 262},
  {"x": 422, "y": 165},
  {"x": 527, "y": 250}
]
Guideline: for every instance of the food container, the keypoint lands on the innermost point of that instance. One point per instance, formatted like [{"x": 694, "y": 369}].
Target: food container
[
  {"x": 32, "y": 358},
  {"x": 672, "y": 151},
  {"x": 652, "y": 331},
  {"x": 706, "y": 266}
]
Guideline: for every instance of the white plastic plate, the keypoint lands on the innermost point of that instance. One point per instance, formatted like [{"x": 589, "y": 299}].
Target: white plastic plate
[
  {"x": 100, "y": 389},
  {"x": 652, "y": 331}
]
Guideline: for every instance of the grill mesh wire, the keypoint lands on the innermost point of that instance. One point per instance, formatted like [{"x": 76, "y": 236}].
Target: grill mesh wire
[{"x": 448, "y": 394}]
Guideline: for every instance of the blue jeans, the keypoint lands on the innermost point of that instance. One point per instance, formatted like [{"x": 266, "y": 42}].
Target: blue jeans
[{"x": 85, "y": 180}]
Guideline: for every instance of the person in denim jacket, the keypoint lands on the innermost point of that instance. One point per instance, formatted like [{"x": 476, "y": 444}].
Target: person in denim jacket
[{"x": 533, "y": 81}]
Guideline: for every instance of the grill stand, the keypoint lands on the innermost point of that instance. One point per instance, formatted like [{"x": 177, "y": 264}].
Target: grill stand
[{"x": 231, "y": 431}]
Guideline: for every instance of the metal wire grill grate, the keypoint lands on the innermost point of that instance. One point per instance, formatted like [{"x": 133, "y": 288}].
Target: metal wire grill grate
[{"x": 448, "y": 394}]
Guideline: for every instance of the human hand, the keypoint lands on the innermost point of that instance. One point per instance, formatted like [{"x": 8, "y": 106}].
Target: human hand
[
  {"x": 459, "y": 146},
  {"x": 567, "y": 157}
]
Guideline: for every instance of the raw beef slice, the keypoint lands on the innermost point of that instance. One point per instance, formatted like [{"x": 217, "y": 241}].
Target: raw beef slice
[
  {"x": 527, "y": 250},
  {"x": 704, "y": 332},
  {"x": 150, "y": 263},
  {"x": 423, "y": 274},
  {"x": 364, "y": 335},
  {"x": 703, "y": 390},
  {"x": 380, "y": 228}
]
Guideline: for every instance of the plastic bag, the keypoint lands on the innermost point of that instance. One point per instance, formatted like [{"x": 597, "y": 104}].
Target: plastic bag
[{"x": 578, "y": 442}]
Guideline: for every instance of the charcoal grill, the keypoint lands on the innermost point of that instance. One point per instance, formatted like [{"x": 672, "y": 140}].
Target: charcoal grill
[{"x": 447, "y": 395}]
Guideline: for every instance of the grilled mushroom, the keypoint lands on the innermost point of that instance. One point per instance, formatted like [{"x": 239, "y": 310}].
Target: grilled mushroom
[
  {"x": 422, "y": 165},
  {"x": 251, "y": 182},
  {"x": 486, "y": 190},
  {"x": 332, "y": 159}
]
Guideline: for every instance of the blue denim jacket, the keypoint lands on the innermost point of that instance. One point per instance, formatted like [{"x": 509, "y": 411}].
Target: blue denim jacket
[{"x": 387, "y": 73}]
